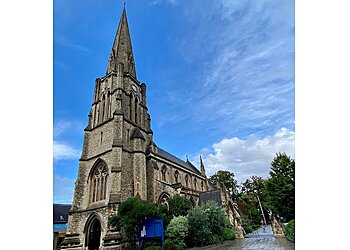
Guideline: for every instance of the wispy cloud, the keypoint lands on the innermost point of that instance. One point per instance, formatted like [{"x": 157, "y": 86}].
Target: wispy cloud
[
  {"x": 60, "y": 127},
  {"x": 63, "y": 151},
  {"x": 246, "y": 52},
  {"x": 172, "y": 2},
  {"x": 63, "y": 189},
  {"x": 248, "y": 157},
  {"x": 66, "y": 42}
]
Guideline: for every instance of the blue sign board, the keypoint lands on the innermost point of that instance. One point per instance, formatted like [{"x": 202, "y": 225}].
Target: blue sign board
[{"x": 150, "y": 228}]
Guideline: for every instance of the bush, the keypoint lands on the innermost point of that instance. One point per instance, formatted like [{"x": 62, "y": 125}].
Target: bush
[
  {"x": 153, "y": 248},
  {"x": 228, "y": 234},
  {"x": 151, "y": 243},
  {"x": 132, "y": 212},
  {"x": 217, "y": 218},
  {"x": 206, "y": 225},
  {"x": 248, "y": 228},
  {"x": 198, "y": 227},
  {"x": 170, "y": 245},
  {"x": 179, "y": 205},
  {"x": 290, "y": 230},
  {"x": 177, "y": 230},
  {"x": 214, "y": 239}
]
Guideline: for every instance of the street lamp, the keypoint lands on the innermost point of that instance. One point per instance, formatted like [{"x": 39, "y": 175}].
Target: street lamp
[{"x": 262, "y": 211}]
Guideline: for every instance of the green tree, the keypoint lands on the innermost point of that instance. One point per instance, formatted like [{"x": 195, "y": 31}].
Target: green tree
[
  {"x": 228, "y": 179},
  {"x": 131, "y": 213},
  {"x": 250, "y": 190},
  {"x": 179, "y": 205},
  {"x": 281, "y": 186}
]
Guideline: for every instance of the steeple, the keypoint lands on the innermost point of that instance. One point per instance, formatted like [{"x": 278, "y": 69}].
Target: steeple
[
  {"x": 121, "y": 56},
  {"x": 202, "y": 166}
]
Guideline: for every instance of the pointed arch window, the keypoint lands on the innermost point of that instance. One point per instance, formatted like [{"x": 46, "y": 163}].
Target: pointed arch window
[
  {"x": 195, "y": 183},
  {"x": 130, "y": 107},
  {"x": 103, "y": 108},
  {"x": 136, "y": 109},
  {"x": 98, "y": 182},
  {"x": 186, "y": 179},
  {"x": 164, "y": 199},
  {"x": 202, "y": 184}
]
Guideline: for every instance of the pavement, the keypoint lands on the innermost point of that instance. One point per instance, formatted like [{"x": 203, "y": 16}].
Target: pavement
[{"x": 258, "y": 240}]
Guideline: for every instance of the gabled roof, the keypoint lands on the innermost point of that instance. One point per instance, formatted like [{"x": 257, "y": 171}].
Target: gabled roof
[
  {"x": 137, "y": 134},
  {"x": 186, "y": 164},
  {"x": 60, "y": 213}
]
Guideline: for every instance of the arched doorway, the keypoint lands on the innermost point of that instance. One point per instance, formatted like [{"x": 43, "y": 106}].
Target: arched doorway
[{"x": 93, "y": 235}]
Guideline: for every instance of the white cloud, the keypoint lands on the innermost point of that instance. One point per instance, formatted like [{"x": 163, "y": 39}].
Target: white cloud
[
  {"x": 63, "y": 151},
  {"x": 63, "y": 189},
  {"x": 60, "y": 127},
  {"x": 248, "y": 157}
]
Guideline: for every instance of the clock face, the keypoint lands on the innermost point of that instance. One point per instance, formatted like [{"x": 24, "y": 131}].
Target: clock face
[{"x": 134, "y": 88}]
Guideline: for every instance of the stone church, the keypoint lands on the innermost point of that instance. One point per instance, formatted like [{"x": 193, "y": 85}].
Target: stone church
[{"x": 120, "y": 159}]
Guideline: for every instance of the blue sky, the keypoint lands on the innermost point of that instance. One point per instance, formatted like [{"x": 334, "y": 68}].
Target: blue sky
[{"x": 219, "y": 75}]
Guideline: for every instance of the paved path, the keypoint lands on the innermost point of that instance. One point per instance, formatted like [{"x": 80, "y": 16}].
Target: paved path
[{"x": 258, "y": 240}]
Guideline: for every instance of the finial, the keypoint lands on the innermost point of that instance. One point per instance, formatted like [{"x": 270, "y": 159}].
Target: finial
[
  {"x": 124, "y": 4},
  {"x": 187, "y": 157}
]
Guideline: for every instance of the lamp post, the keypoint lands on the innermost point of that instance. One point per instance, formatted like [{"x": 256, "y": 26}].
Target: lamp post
[{"x": 262, "y": 212}]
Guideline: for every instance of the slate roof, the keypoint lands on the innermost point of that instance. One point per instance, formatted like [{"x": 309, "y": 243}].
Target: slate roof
[
  {"x": 186, "y": 164},
  {"x": 213, "y": 195},
  {"x": 60, "y": 213},
  {"x": 211, "y": 186}
]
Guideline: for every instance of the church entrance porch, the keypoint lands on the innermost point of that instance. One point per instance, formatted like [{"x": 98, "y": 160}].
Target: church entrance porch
[{"x": 93, "y": 235}]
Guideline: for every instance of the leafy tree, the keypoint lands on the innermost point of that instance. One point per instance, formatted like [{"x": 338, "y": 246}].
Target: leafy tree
[
  {"x": 131, "y": 213},
  {"x": 179, "y": 205},
  {"x": 228, "y": 179},
  {"x": 254, "y": 185},
  {"x": 281, "y": 186},
  {"x": 252, "y": 188}
]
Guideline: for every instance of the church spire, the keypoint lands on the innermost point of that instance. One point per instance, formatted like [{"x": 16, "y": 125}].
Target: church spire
[
  {"x": 121, "y": 55},
  {"x": 202, "y": 166}
]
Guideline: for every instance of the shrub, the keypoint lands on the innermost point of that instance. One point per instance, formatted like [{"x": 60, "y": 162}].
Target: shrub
[
  {"x": 214, "y": 239},
  {"x": 179, "y": 205},
  {"x": 170, "y": 245},
  {"x": 248, "y": 228},
  {"x": 177, "y": 230},
  {"x": 229, "y": 234},
  {"x": 150, "y": 243},
  {"x": 290, "y": 230},
  {"x": 198, "y": 227},
  {"x": 216, "y": 216},
  {"x": 206, "y": 225},
  {"x": 132, "y": 212},
  {"x": 153, "y": 248}
]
